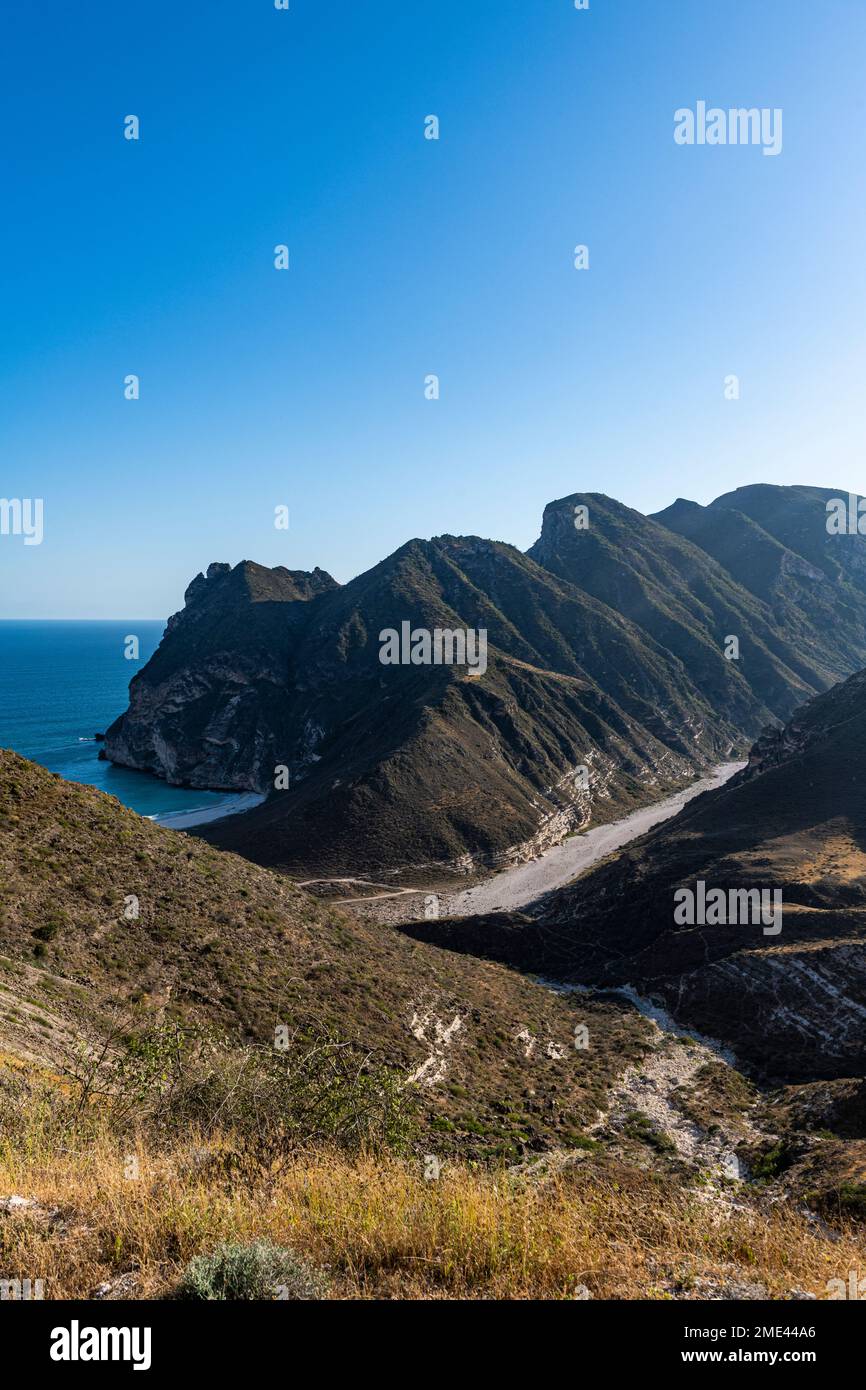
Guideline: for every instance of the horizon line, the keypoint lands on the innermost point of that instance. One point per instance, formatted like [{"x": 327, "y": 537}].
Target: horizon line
[{"x": 26, "y": 619}]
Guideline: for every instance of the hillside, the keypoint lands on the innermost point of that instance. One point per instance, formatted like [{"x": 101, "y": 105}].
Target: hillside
[
  {"x": 529, "y": 1167},
  {"x": 791, "y": 1004},
  {"x": 774, "y": 540},
  {"x": 690, "y": 598},
  {"x": 211, "y": 681},
  {"x": 221, "y": 944}
]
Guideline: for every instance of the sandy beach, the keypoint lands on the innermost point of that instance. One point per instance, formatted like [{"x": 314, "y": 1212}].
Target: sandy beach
[{"x": 185, "y": 820}]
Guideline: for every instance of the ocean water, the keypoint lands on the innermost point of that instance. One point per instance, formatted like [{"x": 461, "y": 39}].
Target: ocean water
[{"x": 63, "y": 682}]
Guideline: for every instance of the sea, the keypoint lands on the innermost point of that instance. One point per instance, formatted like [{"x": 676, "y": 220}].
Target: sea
[{"x": 61, "y": 683}]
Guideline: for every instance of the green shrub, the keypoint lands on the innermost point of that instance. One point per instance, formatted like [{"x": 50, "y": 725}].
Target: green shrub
[
  {"x": 316, "y": 1090},
  {"x": 640, "y": 1127},
  {"x": 260, "y": 1270},
  {"x": 47, "y": 932},
  {"x": 772, "y": 1161},
  {"x": 852, "y": 1199}
]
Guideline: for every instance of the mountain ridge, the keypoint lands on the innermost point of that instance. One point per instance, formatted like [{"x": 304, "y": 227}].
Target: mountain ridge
[{"x": 409, "y": 768}]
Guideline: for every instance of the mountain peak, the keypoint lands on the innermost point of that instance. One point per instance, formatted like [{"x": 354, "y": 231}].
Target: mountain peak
[
  {"x": 682, "y": 507},
  {"x": 257, "y": 583}
]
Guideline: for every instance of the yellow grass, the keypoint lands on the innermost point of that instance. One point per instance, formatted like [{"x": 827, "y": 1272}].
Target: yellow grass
[{"x": 382, "y": 1230}]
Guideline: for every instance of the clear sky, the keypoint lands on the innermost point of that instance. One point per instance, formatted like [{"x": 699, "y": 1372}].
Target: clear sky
[{"x": 305, "y": 387}]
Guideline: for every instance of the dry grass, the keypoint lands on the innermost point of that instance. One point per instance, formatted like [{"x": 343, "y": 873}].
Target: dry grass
[{"x": 382, "y": 1230}]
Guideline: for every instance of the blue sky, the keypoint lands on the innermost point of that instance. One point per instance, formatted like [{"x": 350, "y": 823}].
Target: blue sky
[{"x": 408, "y": 257}]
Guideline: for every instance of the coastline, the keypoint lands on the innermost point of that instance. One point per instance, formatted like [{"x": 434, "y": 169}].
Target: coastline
[{"x": 185, "y": 820}]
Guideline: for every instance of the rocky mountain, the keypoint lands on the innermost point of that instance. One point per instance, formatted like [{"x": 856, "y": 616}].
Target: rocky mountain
[
  {"x": 787, "y": 994},
  {"x": 789, "y": 513},
  {"x": 775, "y": 542},
  {"x": 607, "y": 682},
  {"x": 405, "y": 764},
  {"x": 689, "y": 587},
  {"x": 206, "y": 711}
]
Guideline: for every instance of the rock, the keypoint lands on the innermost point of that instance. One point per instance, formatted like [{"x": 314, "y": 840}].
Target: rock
[
  {"x": 16, "y": 1203},
  {"x": 123, "y": 1286}
]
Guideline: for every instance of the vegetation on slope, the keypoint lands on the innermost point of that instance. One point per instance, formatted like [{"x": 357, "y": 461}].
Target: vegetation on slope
[{"x": 221, "y": 946}]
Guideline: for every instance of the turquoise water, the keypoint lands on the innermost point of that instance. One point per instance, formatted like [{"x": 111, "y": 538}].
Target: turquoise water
[{"x": 63, "y": 682}]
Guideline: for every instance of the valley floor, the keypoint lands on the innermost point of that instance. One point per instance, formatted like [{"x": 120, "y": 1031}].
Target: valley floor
[{"x": 521, "y": 885}]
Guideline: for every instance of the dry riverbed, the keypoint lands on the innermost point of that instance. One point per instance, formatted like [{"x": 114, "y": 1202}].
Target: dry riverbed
[{"x": 518, "y": 887}]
